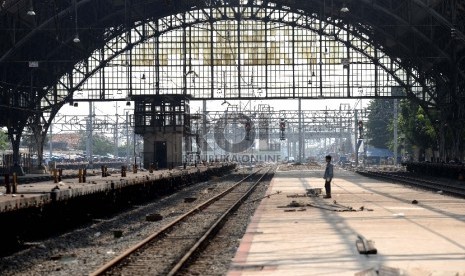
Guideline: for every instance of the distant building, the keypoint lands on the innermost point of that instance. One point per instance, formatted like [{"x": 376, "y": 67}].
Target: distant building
[{"x": 65, "y": 141}]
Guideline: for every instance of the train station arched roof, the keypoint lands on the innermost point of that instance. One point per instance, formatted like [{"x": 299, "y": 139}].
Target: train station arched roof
[{"x": 48, "y": 50}]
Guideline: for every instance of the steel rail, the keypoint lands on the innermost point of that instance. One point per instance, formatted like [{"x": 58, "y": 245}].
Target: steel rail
[
  {"x": 418, "y": 182},
  {"x": 115, "y": 261},
  {"x": 214, "y": 227}
]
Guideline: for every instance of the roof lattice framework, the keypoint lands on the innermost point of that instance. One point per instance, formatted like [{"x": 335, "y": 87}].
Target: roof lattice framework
[{"x": 423, "y": 37}]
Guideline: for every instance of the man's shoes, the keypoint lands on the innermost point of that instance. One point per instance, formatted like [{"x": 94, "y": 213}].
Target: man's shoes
[{"x": 327, "y": 196}]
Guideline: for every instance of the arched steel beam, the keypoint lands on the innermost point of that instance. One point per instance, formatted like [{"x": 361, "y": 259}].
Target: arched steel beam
[
  {"x": 102, "y": 64},
  {"x": 42, "y": 26},
  {"x": 442, "y": 52},
  {"x": 66, "y": 12},
  {"x": 114, "y": 14},
  {"x": 440, "y": 18},
  {"x": 62, "y": 45},
  {"x": 63, "y": 13},
  {"x": 342, "y": 40},
  {"x": 361, "y": 29}
]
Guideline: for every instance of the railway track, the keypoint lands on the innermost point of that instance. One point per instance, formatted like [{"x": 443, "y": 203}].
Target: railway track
[
  {"x": 445, "y": 186},
  {"x": 170, "y": 249}
]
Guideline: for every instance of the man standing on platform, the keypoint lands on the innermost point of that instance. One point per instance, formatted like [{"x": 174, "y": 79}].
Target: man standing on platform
[{"x": 328, "y": 176}]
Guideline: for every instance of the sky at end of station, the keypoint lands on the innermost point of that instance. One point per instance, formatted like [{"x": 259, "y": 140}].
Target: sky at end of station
[{"x": 109, "y": 108}]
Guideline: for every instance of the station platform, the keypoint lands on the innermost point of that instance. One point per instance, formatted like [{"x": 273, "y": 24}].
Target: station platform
[
  {"x": 412, "y": 231},
  {"x": 43, "y": 192}
]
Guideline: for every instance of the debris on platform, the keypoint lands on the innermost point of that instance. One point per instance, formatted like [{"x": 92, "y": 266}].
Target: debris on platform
[
  {"x": 297, "y": 195},
  {"x": 314, "y": 192},
  {"x": 295, "y": 210},
  {"x": 324, "y": 207},
  {"x": 414, "y": 201},
  {"x": 344, "y": 207},
  {"x": 336, "y": 207},
  {"x": 365, "y": 246},
  {"x": 363, "y": 208},
  {"x": 267, "y": 196},
  {"x": 295, "y": 204}
]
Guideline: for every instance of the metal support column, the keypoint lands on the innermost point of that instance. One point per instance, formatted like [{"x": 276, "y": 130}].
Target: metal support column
[
  {"x": 300, "y": 132},
  {"x": 395, "y": 132},
  {"x": 50, "y": 141},
  {"x": 356, "y": 136},
  {"x": 90, "y": 127},
  {"x": 127, "y": 138},
  {"x": 116, "y": 132},
  {"x": 204, "y": 130}
]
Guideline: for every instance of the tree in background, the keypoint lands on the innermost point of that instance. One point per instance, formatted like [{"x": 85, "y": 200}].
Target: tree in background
[
  {"x": 101, "y": 145},
  {"x": 417, "y": 127},
  {"x": 4, "y": 143},
  {"x": 378, "y": 130},
  {"x": 123, "y": 150},
  {"x": 29, "y": 142}
]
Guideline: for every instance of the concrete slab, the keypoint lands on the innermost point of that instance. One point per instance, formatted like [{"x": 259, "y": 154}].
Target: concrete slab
[{"x": 411, "y": 239}]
